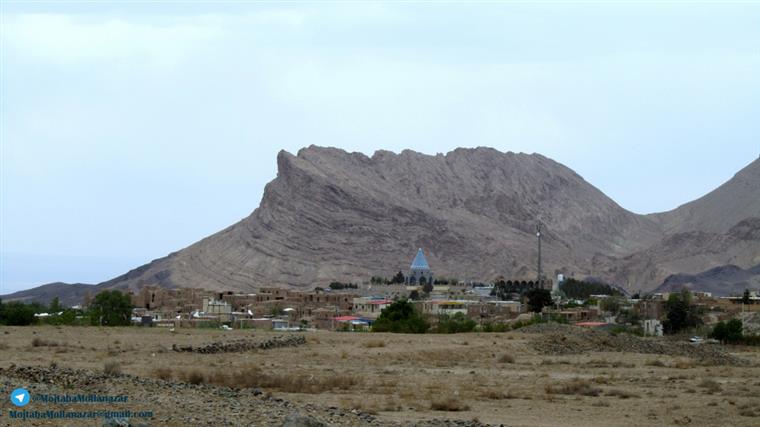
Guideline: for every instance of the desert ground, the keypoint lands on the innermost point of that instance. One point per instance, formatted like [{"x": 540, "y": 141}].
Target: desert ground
[{"x": 534, "y": 377}]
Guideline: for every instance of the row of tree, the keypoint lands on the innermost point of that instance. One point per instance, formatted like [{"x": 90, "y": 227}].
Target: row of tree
[
  {"x": 579, "y": 289},
  {"x": 399, "y": 278},
  {"x": 340, "y": 285},
  {"x": 108, "y": 308}
]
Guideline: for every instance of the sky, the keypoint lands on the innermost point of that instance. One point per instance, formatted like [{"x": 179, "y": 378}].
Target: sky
[{"x": 129, "y": 130}]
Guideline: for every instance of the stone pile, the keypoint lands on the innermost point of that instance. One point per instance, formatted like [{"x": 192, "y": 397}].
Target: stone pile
[
  {"x": 236, "y": 346},
  {"x": 558, "y": 339},
  {"x": 211, "y": 405}
]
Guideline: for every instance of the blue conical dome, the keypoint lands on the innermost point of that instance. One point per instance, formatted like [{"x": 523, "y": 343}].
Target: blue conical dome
[{"x": 420, "y": 262}]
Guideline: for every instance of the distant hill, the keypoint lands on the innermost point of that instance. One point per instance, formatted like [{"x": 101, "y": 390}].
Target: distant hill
[
  {"x": 723, "y": 280},
  {"x": 330, "y": 215},
  {"x": 68, "y": 294}
]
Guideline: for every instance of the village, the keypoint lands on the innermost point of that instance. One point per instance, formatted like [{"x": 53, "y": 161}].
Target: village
[{"x": 489, "y": 306}]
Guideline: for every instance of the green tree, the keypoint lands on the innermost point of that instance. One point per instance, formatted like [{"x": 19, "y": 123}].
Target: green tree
[
  {"x": 398, "y": 278},
  {"x": 578, "y": 289},
  {"x": 427, "y": 287},
  {"x": 538, "y": 299},
  {"x": 55, "y": 306},
  {"x": 111, "y": 308},
  {"x": 414, "y": 295},
  {"x": 745, "y": 297},
  {"x": 69, "y": 316},
  {"x": 681, "y": 313},
  {"x": 400, "y": 317},
  {"x": 728, "y": 332},
  {"x": 16, "y": 313}
]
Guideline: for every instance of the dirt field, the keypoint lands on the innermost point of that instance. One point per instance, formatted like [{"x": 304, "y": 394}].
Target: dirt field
[{"x": 377, "y": 379}]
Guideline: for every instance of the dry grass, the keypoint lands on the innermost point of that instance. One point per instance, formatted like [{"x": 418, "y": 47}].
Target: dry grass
[
  {"x": 163, "y": 373},
  {"x": 421, "y": 372},
  {"x": 576, "y": 387},
  {"x": 710, "y": 386},
  {"x": 492, "y": 394},
  {"x": 684, "y": 364},
  {"x": 290, "y": 382},
  {"x": 39, "y": 342},
  {"x": 373, "y": 344},
  {"x": 608, "y": 364},
  {"x": 622, "y": 394},
  {"x": 748, "y": 410},
  {"x": 112, "y": 367},
  {"x": 450, "y": 404},
  {"x": 4, "y": 346},
  {"x": 549, "y": 362}
]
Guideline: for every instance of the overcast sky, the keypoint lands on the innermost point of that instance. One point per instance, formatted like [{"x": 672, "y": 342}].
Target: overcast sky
[{"x": 131, "y": 130}]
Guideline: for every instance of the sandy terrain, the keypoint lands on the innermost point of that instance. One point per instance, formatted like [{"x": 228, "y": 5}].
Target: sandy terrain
[{"x": 385, "y": 379}]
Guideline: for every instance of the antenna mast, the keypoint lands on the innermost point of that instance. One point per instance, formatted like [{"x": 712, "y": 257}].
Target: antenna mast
[{"x": 540, "y": 272}]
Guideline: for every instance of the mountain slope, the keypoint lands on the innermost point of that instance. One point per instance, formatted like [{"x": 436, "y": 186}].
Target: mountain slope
[
  {"x": 721, "y": 209},
  {"x": 688, "y": 252},
  {"x": 331, "y": 215},
  {"x": 69, "y": 294},
  {"x": 726, "y": 279}
]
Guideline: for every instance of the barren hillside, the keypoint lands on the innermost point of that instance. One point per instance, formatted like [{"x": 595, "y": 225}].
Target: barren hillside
[{"x": 331, "y": 215}]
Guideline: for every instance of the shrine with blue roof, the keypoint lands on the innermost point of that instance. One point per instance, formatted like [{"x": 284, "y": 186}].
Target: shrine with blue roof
[{"x": 419, "y": 271}]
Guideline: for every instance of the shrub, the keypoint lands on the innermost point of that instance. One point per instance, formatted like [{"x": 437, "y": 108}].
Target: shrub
[
  {"x": 448, "y": 404},
  {"x": 455, "y": 324},
  {"x": 253, "y": 376},
  {"x": 111, "y": 367},
  {"x": 163, "y": 373},
  {"x": 684, "y": 364},
  {"x": 578, "y": 387},
  {"x": 622, "y": 394},
  {"x": 39, "y": 342},
  {"x": 194, "y": 377},
  {"x": 711, "y": 386},
  {"x": 506, "y": 358},
  {"x": 498, "y": 327}
]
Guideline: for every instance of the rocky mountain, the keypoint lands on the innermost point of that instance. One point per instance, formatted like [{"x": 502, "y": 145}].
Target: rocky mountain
[
  {"x": 330, "y": 215},
  {"x": 729, "y": 279},
  {"x": 721, "y": 209},
  {"x": 689, "y": 252}
]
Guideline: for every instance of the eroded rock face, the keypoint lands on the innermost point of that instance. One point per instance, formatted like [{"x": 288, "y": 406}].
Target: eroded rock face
[
  {"x": 331, "y": 215},
  {"x": 337, "y": 216}
]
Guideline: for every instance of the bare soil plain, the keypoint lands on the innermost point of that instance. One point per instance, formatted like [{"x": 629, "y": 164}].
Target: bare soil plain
[{"x": 520, "y": 378}]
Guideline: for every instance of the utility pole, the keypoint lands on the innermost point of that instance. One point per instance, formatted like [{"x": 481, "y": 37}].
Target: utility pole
[{"x": 538, "y": 236}]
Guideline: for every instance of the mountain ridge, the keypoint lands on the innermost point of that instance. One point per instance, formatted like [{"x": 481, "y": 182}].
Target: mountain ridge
[{"x": 333, "y": 215}]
